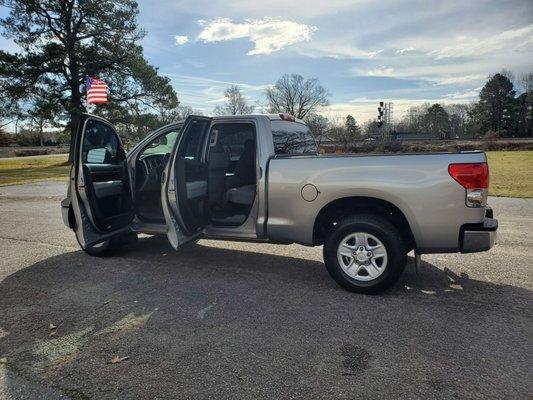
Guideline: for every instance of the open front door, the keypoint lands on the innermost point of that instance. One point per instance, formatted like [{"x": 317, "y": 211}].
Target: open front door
[
  {"x": 99, "y": 182},
  {"x": 184, "y": 188}
]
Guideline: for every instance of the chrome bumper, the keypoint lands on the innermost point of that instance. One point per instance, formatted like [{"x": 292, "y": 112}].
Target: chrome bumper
[{"x": 479, "y": 237}]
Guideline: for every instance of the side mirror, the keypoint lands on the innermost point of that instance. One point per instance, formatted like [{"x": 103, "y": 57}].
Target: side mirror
[{"x": 97, "y": 155}]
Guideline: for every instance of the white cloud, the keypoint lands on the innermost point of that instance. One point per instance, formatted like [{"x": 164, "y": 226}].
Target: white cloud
[
  {"x": 336, "y": 49},
  {"x": 267, "y": 34},
  {"x": 439, "y": 74},
  {"x": 454, "y": 80},
  {"x": 180, "y": 40},
  {"x": 464, "y": 46},
  {"x": 405, "y": 50},
  {"x": 380, "y": 70},
  {"x": 462, "y": 96},
  {"x": 201, "y": 93}
]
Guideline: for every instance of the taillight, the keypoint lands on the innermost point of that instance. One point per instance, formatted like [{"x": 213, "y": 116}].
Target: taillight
[
  {"x": 471, "y": 175},
  {"x": 474, "y": 177}
]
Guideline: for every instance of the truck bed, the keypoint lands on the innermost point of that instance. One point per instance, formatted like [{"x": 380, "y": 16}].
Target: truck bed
[{"x": 418, "y": 184}]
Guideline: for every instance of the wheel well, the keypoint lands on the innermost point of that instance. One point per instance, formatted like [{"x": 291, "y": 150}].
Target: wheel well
[{"x": 340, "y": 208}]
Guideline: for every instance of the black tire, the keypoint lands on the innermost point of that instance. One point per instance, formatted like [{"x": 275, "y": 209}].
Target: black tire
[
  {"x": 382, "y": 230},
  {"x": 110, "y": 246}
]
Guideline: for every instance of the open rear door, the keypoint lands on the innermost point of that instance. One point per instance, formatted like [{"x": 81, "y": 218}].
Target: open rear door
[
  {"x": 99, "y": 182},
  {"x": 184, "y": 188}
]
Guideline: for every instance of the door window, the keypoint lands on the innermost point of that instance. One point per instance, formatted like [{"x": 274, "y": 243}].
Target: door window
[
  {"x": 191, "y": 148},
  {"x": 100, "y": 144}
]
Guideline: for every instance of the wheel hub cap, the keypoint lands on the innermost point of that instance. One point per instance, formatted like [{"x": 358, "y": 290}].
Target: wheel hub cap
[{"x": 362, "y": 256}]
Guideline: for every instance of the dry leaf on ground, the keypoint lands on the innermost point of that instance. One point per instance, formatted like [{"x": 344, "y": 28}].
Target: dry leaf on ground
[{"x": 117, "y": 359}]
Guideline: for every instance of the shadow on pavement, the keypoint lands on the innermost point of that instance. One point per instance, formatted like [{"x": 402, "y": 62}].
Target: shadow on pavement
[{"x": 209, "y": 321}]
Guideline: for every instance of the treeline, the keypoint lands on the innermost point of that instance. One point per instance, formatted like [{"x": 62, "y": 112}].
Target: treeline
[
  {"x": 55, "y": 132},
  {"x": 500, "y": 112}
]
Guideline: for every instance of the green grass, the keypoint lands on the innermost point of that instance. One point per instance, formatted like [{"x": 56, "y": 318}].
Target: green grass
[
  {"x": 18, "y": 170},
  {"x": 511, "y": 173}
]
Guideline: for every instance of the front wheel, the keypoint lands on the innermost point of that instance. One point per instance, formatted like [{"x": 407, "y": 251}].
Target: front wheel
[{"x": 365, "y": 254}]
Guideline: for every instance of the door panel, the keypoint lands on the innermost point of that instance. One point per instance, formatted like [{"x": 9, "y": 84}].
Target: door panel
[
  {"x": 184, "y": 189},
  {"x": 100, "y": 189}
]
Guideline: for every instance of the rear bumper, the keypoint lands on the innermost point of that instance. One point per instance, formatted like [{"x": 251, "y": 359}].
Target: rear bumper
[{"x": 479, "y": 237}]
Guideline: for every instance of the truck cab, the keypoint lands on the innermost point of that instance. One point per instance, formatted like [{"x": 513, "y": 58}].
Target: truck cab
[{"x": 203, "y": 176}]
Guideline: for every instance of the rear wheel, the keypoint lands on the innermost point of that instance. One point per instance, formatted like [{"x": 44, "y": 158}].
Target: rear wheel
[{"x": 365, "y": 254}]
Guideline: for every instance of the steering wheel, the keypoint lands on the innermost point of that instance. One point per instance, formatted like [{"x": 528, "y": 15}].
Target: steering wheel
[{"x": 152, "y": 171}]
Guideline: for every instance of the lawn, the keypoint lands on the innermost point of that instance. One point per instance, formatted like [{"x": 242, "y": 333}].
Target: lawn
[
  {"x": 511, "y": 172},
  {"x": 19, "y": 170}
]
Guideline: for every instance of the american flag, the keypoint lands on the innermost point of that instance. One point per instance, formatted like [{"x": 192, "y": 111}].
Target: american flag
[{"x": 96, "y": 91}]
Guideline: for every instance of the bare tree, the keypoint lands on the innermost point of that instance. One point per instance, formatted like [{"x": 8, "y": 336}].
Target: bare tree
[
  {"x": 345, "y": 131},
  {"x": 319, "y": 127},
  {"x": 526, "y": 83},
  {"x": 458, "y": 119},
  {"x": 297, "y": 96},
  {"x": 235, "y": 103},
  {"x": 524, "y": 114},
  {"x": 372, "y": 128}
]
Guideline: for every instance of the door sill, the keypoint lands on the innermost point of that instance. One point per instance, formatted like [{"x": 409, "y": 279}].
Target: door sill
[
  {"x": 236, "y": 238},
  {"x": 150, "y": 228}
]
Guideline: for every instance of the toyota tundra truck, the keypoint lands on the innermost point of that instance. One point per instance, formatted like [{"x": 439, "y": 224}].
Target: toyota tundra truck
[{"x": 260, "y": 178}]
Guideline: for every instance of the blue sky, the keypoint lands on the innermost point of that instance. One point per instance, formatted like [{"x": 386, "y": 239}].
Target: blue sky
[{"x": 362, "y": 51}]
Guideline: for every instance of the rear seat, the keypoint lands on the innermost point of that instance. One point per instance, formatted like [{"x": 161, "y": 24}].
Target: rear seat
[{"x": 242, "y": 195}]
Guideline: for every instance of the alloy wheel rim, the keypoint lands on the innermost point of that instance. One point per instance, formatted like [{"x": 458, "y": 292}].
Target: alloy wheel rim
[{"x": 362, "y": 256}]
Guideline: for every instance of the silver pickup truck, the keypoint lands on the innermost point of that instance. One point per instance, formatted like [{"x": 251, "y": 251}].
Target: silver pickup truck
[{"x": 260, "y": 178}]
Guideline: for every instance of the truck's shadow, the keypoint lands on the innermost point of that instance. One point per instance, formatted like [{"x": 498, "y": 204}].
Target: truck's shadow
[{"x": 198, "y": 289}]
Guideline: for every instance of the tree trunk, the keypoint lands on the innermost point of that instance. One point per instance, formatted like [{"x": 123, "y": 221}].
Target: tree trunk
[
  {"x": 41, "y": 139},
  {"x": 76, "y": 106},
  {"x": 74, "y": 123}
]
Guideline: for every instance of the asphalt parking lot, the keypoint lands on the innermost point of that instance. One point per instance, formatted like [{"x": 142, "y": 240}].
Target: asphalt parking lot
[{"x": 235, "y": 320}]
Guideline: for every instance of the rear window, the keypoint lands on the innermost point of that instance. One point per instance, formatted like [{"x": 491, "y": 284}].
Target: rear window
[{"x": 292, "y": 138}]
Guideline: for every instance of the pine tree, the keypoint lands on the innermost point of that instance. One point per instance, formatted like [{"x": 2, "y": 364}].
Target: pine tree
[
  {"x": 62, "y": 41},
  {"x": 496, "y": 103}
]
